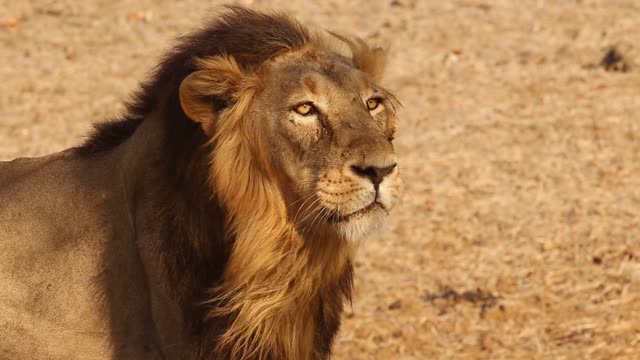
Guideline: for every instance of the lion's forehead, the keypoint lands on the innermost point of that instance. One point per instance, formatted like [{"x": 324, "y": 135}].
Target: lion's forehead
[{"x": 318, "y": 76}]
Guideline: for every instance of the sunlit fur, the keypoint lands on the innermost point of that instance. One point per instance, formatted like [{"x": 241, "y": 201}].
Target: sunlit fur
[
  {"x": 273, "y": 275},
  {"x": 276, "y": 268},
  {"x": 243, "y": 214}
]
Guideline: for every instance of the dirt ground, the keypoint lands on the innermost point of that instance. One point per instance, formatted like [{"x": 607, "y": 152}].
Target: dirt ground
[{"x": 518, "y": 236}]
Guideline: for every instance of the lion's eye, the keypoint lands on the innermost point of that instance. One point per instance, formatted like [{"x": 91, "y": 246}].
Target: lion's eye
[
  {"x": 373, "y": 103},
  {"x": 305, "y": 109}
]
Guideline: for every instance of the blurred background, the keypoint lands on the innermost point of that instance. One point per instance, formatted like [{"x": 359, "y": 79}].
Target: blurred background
[{"x": 518, "y": 235}]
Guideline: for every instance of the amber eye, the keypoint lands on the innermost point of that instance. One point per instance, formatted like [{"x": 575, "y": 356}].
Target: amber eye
[
  {"x": 305, "y": 109},
  {"x": 373, "y": 103}
]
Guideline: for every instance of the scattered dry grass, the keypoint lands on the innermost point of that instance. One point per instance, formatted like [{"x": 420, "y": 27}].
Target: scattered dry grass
[{"x": 518, "y": 236}]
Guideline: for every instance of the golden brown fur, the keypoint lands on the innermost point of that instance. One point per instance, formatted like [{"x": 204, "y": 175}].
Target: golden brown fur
[{"x": 235, "y": 215}]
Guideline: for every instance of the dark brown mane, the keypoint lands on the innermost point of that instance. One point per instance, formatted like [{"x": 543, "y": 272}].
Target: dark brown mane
[
  {"x": 249, "y": 36},
  {"x": 195, "y": 247}
]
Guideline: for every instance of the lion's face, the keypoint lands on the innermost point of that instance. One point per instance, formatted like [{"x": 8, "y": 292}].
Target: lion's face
[{"x": 330, "y": 130}]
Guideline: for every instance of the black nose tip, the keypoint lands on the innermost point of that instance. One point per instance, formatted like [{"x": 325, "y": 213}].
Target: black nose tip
[{"x": 374, "y": 173}]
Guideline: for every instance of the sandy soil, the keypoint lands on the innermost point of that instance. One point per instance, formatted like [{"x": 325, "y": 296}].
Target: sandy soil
[{"x": 518, "y": 236}]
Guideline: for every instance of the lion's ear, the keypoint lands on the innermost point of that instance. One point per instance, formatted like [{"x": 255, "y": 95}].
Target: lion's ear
[
  {"x": 196, "y": 104},
  {"x": 205, "y": 93},
  {"x": 365, "y": 58},
  {"x": 373, "y": 62}
]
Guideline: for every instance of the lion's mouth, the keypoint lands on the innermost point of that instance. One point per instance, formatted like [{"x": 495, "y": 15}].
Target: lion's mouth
[{"x": 343, "y": 218}]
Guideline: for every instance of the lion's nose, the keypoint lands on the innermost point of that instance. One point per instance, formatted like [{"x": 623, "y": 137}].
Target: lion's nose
[{"x": 374, "y": 173}]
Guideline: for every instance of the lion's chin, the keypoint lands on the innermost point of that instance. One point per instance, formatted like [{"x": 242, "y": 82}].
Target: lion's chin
[{"x": 357, "y": 226}]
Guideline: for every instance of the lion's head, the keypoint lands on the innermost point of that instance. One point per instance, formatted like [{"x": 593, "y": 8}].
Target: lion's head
[{"x": 320, "y": 123}]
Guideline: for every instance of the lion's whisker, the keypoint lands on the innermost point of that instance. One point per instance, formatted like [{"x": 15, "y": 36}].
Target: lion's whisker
[
  {"x": 318, "y": 213},
  {"x": 301, "y": 208},
  {"x": 317, "y": 209},
  {"x": 309, "y": 212},
  {"x": 311, "y": 209}
]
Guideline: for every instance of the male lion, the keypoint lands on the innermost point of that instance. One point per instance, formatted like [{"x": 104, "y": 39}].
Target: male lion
[{"x": 217, "y": 218}]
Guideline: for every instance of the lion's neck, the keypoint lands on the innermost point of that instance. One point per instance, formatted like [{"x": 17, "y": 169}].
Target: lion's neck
[{"x": 286, "y": 301}]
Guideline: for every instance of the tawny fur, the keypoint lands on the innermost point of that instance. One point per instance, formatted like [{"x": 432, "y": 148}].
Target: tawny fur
[
  {"x": 273, "y": 276},
  {"x": 186, "y": 210}
]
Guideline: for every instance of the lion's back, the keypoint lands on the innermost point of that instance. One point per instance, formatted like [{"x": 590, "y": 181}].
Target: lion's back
[{"x": 50, "y": 255}]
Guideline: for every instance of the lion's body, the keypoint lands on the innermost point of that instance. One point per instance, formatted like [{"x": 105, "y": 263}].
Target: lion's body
[
  {"x": 58, "y": 217},
  {"x": 216, "y": 219},
  {"x": 70, "y": 269}
]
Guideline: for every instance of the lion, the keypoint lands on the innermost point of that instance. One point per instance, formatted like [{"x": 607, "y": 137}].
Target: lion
[{"x": 218, "y": 218}]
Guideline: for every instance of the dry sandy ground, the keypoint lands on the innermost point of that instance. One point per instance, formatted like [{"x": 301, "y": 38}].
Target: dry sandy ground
[{"x": 518, "y": 236}]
